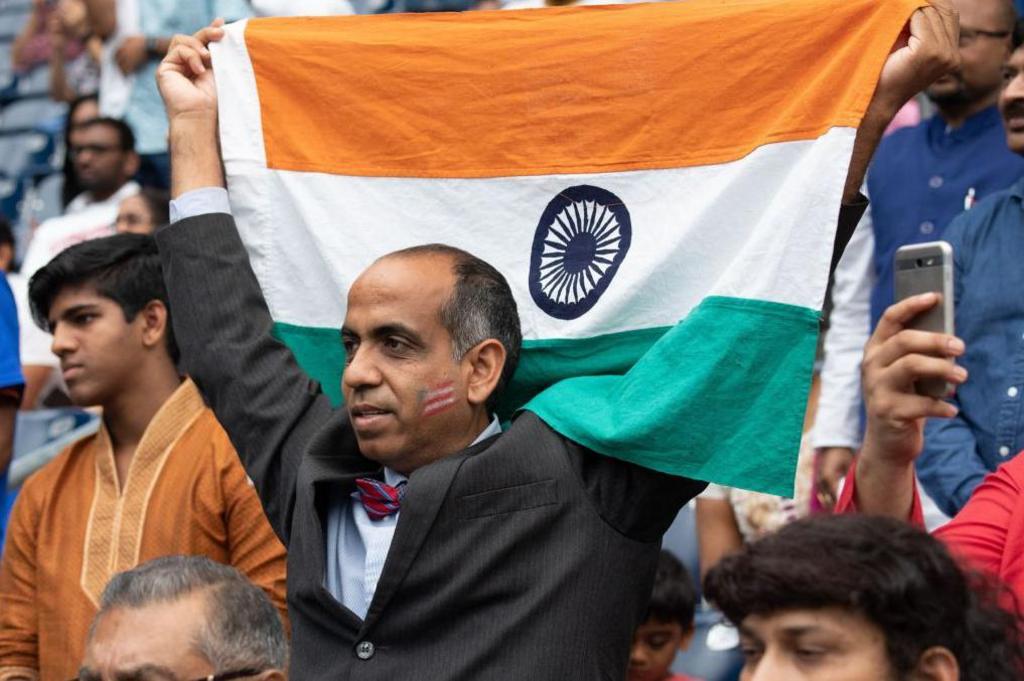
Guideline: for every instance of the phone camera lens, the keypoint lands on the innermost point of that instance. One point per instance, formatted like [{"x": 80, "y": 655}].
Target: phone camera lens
[{"x": 920, "y": 262}]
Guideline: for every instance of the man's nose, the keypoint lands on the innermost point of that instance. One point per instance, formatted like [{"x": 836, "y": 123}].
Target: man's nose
[
  {"x": 63, "y": 341},
  {"x": 361, "y": 370}
]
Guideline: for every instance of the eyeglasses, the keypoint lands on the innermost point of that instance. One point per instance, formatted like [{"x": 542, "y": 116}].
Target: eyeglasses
[
  {"x": 225, "y": 676},
  {"x": 968, "y": 36},
  {"x": 93, "y": 148}
]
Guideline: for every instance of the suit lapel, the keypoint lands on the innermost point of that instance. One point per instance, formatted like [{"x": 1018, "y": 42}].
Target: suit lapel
[{"x": 427, "y": 489}]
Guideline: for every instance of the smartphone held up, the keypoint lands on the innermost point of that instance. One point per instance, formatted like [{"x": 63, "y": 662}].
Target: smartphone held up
[{"x": 927, "y": 268}]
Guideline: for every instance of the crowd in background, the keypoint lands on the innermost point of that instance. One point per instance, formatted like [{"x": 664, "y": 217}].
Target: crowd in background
[{"x": 90, "y": 160}]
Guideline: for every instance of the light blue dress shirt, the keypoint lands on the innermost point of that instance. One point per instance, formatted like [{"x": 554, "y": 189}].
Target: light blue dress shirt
[{"x": 356, "y": 547}]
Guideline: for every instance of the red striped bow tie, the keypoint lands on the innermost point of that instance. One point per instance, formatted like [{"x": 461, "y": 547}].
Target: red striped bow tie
[{"x": 379, "y": 499}]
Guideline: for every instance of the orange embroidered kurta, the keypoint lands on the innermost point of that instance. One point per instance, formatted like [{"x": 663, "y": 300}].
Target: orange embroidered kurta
[{"x": 73, "y": 526}]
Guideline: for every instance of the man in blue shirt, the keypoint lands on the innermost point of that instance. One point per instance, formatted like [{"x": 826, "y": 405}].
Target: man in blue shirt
[
  {"x": 921, "y": 178},
  {"x": 988, "y": 248}
]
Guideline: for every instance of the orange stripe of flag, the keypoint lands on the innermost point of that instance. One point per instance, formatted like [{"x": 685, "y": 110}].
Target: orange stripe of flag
[{"x": 567, "y": 90}]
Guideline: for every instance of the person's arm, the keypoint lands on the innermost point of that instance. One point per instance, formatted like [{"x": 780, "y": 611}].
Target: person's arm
[
  {"x": 718, "y": 535},
  {"x": 837, "y": 425},
  {"x": 929, "y": 50},
  {"x": 59, "y": 89},
  {"x": 894, "y": 359},
  {"x": 265, "y": 402},
  {"x": 102, "y": 16},
  {"x": 979, "y": 531},
  {"x": 33, "y": 25},
  {"x": 19, "y": 634}
]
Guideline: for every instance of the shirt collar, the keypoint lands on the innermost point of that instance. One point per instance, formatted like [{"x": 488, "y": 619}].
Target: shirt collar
[
  {"x": 493, "y": 428},
  {"x": 971, "y": 128}
]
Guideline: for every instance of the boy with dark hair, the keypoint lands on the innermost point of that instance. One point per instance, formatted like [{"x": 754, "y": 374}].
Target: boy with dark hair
[
  {"x": 863, "y": 598},
  {"x": 159, "y": 478},
  {"x": 668, "y": 626}
]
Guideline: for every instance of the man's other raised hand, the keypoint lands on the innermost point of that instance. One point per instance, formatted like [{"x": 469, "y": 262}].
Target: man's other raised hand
[{"x": 185, "y": 76}]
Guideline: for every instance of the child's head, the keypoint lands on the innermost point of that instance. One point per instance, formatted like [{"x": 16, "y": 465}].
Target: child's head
[{"x": 668, "y": 626}]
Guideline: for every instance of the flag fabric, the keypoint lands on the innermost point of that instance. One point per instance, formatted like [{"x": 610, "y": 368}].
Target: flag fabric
[{"x": 659, "y": 183}]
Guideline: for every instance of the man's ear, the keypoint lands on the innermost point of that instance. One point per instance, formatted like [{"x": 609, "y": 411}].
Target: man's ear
[
  {"x": 154, "y": 323},
  {"x": 272, "y": 675},
  {"x": 936, "y": 664},
  {"x": 482, "y": 367},
  {"x": 131, "y": 164}
]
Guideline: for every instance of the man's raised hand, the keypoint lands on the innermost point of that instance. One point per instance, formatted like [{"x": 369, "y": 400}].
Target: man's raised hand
[{"x": 185, "y": 77}]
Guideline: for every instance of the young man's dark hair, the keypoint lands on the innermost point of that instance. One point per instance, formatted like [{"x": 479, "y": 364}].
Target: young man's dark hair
[
  {"x": 125, "y": 136},
  {"x": 481, "y": 306},
  {"x": 674, "y": 598},
  {"x": 123, "y": 267},
  {"x": 894, "y": 577}
]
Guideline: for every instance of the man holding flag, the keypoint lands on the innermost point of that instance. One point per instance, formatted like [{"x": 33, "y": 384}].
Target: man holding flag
[{"x": 422, "y": 540}]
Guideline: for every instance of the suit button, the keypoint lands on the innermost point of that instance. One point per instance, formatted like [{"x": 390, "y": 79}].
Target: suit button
[{"x": 365, "y": 650}]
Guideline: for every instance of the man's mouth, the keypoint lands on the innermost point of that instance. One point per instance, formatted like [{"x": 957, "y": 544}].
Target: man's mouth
[
  {"x": 1014, "y": 118},
  {"x": 367, "y": 416},
  {"x": 71, "y": 371}
]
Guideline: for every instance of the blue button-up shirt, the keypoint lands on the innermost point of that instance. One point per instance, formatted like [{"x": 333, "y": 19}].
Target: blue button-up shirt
[
  {"x": 919, "y": 179},
  {"x": 988, "y": 251}
]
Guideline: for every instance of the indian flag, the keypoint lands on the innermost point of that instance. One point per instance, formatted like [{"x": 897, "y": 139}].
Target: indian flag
[{"x": 660, "y": 184}]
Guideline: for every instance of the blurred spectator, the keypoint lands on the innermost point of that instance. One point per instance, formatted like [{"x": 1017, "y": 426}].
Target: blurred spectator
[
  {"x": 72, "y": 76},
  {"x": 988, "y": 243},
  {"x": 138, "y": 34},
  {"x": 103, "y": 153},
  {"x": 989, "y": 530},
  {"x": 6, "y": 245},
  {"x": 920, "y": 179},
  {"x": 668, "y": 626},
  {"x": 143, "y": 213},
  {"x": 11, "y": 380},
  {"x": 104, "y": 161},
  {"x": 159, "y": 478},
  {"x": 728, "y": 517},
  {"x": 83, "y": 109},
  {"x": 862, "y": 599},
  {"x": 185, "y": 617}
]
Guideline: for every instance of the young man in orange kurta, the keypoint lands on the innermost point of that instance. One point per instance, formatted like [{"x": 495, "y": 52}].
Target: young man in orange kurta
[{"x": 159, "y": 478}]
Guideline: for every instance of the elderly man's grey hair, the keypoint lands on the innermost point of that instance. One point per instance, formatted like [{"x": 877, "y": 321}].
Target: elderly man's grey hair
[{"x": 242, "y": 630}]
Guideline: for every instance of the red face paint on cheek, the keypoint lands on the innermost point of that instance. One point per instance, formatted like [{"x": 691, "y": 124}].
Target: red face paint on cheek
[{"x": 439, "y": 398}]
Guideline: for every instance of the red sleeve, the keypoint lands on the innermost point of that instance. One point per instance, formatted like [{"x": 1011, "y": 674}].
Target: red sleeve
[
  {"x": 979, "y": 532},
  {"x": 847, "y": 505}
]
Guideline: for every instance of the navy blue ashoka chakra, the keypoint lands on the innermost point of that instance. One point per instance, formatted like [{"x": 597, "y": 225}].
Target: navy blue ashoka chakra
[{"x": 580, "y": 242}]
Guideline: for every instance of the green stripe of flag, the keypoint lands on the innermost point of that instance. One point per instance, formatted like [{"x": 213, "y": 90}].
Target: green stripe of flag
[{"x": 719, "y": 396}]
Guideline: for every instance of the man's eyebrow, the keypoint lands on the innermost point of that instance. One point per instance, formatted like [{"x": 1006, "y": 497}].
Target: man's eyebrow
[
  {"x": 397, "y": 329},
  {"x": 78, "y": 309},
  {"x": 86, "y": 674}
]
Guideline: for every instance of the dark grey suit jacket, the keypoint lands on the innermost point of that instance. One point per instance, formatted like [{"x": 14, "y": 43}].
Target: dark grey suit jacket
[{"x": 525, "y": 556}]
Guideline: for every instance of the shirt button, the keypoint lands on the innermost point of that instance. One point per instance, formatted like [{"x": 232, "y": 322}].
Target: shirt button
[
  {"x": 1012, "y": 392},
  {"x": 365, "y": 650},
  {"x": 935, "y": 182},
  {"x": 1004, "y": 451},
  {"x": 927, "y": 227}
]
